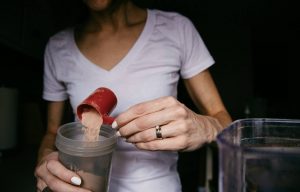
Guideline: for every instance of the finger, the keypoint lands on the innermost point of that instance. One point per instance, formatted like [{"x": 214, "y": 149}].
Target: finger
[
  {"x": 172, "y": 129},
  {"x": 168, "y": 144},
  {"x": 45, "y": 177},
  {"x": 144, "y": 108},
  {"x": 151, "y": 120},
  {"x": 55, "y": 184},
  {"x": 143, "y": 136},
  {"x": 40, "y": 184},
  {"x": 58, "y": 170},
  {"x": 52, "y": 174}
]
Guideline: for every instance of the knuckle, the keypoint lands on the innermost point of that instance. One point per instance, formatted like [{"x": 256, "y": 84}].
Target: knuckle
[
  {"x": 184, "y": 127},
  {"x": 123, "y": 132},
  {"x": 52, "y": 182},
  {"x": 139, "y": 137},
  {"x": 183, "y": 143},
  {"x": 38, "y": 168},
  {"x": 148, "y": 146},
  {"x": 138, "y": 109},
  {"x": 171, "y": 100},
  {"x": 181, "y": 112},
  {"x": 138, "y": 123},
  {"x": 37, "y": 171},
  {"x": 152, "y": 146},
  {"x": 140, "y": 146},
  {"x": 39, "y": 184},
  {"x": 50, "y": 164},
  {"x": 147, "y": 136}
]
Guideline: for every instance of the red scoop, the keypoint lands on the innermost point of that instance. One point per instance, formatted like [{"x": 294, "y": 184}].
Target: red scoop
[{"x": 103, "y": 100}]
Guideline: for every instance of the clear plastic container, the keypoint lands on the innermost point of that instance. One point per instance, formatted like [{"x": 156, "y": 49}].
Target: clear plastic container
[
  {"x": 91, "y": 160},
  {"x": 260, "y": 155}
]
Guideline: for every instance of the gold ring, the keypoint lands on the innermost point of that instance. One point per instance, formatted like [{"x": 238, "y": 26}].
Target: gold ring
[{"x": 158, "y": 132}]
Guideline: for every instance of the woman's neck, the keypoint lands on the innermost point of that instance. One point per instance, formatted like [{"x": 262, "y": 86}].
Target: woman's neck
[{"x": 113, "y": 19}]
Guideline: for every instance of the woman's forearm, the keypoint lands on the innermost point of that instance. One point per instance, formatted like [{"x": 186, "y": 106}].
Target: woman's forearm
[{"x": 47, "y": 146}]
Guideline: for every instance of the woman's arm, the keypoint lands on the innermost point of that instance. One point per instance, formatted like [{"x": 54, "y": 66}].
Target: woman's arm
[
  {"x": 54, "y": 117},
  {"x": 205, "y": 95}
]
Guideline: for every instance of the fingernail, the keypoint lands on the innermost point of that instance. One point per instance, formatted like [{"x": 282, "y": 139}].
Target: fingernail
[
  {"x": 118, "y": 134},
  {"x": 114, "y": 125},
  {"x": 76, "y": 180}
]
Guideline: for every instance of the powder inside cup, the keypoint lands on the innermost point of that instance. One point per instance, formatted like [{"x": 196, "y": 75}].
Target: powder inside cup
[
  {"x": 92, "y": 121},
  {"x": 93, "y": 182}
]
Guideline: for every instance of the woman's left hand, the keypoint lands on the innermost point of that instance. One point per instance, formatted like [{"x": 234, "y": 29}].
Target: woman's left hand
[{"x": 180, "y": 128}]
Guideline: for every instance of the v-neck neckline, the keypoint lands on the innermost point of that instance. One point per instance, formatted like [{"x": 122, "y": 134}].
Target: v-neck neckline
[{"x": 133, "y": 51}]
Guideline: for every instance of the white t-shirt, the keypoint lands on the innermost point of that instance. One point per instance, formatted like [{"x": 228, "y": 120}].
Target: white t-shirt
[{"x": 168, "y": 47}]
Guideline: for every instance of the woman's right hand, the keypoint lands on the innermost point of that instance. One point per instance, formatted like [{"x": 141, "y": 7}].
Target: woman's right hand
[{"x": 52, "y": 174}]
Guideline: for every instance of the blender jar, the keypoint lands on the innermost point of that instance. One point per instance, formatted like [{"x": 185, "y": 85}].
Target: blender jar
[{"x": 260, "y": 155}]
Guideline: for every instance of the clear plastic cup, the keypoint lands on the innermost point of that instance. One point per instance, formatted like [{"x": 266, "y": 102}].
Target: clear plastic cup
[
  {"x": 260, "y": 155},
  {"x": 91, "y": 160}
]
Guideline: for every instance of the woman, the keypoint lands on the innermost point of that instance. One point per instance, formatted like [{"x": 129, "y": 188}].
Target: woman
[{"x": 139, "y": 54}]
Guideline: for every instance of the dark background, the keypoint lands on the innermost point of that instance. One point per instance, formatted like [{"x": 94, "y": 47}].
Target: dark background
[{"x": 254, "y": 43}]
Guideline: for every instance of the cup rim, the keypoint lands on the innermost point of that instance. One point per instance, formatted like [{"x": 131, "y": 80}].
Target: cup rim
[
  {"x": 241, "y": 123},
  {"x": 86, "y": 148}
]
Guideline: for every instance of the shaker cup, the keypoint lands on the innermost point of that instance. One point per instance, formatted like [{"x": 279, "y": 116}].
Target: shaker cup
[{"x": 90, "y": 160}]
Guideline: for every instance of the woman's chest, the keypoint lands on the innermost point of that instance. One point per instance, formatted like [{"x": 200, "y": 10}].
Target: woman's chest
[{"x": 108, "y": 49}]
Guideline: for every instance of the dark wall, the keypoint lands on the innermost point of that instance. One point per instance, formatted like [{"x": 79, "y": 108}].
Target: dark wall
[
  {"x": 225, "y": 29},
  {"x": 255, "y": 44}
]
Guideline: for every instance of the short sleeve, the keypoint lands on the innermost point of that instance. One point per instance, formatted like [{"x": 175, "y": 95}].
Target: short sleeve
[
  {"x": 53, "y": 89},
  {"x": 195, "y": 55}
]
